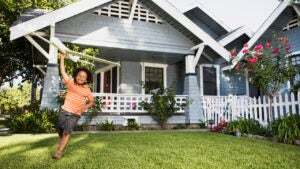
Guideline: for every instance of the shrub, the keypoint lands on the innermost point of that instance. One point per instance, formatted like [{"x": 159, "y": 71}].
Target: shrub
[
  {"x": 37, "y": 121},
  {"x": 248, "y": 126},
  {"x": 163, "y": 104},
  {"x": 289, "y": 129},
  {"x": 132, "y": 124},
  {"x": 107, "y": 126}
]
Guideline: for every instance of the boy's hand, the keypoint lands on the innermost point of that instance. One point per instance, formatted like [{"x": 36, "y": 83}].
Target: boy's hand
[{"x": 62, "y": 55}]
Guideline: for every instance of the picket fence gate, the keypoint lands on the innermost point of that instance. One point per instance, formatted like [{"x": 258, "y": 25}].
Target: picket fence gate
[{"x": 231, "y": 108}]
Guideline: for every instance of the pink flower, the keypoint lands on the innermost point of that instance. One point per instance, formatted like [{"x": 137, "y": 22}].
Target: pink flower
[
  {"x": 254, "y": 60},
  {"x": 288, "y": 47},
  {"x": 237, "y": 68},
  {"x": 256, "y": 54},
  {"x": 268, "y": 44},
  {"x": 233, "y": 53},
  {"x": 133, "y": 104},
  {"x": 245, "y": 51},
  {"x": 258, "y": 47},
  {"x": 275, "y": 50},
  {"x": 245, "y": 45}
]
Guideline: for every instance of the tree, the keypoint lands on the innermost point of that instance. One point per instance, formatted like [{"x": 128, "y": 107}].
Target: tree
[
  {"x": 17, "y": 57},
  {"x": 267, "y": 66}
]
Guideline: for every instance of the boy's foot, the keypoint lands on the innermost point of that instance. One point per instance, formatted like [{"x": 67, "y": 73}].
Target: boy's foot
[{"x": 57, "y": 155}]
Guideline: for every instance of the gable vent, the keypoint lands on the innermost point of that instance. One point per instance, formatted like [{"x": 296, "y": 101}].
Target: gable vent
[
  {"x": 121, "y": 9},
  {"x": 292, "y": 24}
]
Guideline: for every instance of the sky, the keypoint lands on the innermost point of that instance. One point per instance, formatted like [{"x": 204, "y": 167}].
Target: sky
[{"x": 235, "y": 13}]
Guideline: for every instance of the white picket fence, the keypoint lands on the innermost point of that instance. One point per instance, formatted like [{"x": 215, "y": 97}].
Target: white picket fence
[{"x": 232, "y": 107}]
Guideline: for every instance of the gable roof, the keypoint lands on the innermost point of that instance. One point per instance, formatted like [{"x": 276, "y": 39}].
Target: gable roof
[
  {"x": 174, "y": 16},
  {"x": 200, "y": 7},
  {"x": 263, "y": 28}
]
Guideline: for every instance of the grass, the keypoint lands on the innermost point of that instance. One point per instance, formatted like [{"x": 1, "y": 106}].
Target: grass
[{"x": 142, "y": 150}]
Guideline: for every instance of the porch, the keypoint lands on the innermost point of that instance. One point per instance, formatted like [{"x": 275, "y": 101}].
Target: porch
[{"x": 119, "y": 108}]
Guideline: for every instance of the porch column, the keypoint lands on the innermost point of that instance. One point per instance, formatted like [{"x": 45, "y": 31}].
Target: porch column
[
  {"x": 51, "y": 80},
  {"x": 194, "y": 113}
]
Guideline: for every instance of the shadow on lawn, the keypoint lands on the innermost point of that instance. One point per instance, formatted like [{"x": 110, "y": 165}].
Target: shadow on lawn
[{"x": 38, "y": 153}]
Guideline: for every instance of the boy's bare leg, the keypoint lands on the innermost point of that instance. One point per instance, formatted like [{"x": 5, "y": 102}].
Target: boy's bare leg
[{"x": 63, "y": 142}]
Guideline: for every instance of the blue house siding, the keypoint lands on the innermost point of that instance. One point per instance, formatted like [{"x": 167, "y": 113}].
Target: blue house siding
[
  {"x": 232, "y": 83},
  {"x": 97, "y": 30},
  {"x": 131, "y": 75},
  {"x": 294, "y": 38},
  {"x": 175, "y": 73}
]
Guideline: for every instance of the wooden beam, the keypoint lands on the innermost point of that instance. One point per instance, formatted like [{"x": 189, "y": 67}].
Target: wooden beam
[
  {"x": 132, "y": 10},
  {"x": 37, "y": 46},
  {"x": 62, "y": 48},
  {"x": 297, "y": 9},
  {"x": 39, "y": 67},
  {"x": 198, "y": 54}
]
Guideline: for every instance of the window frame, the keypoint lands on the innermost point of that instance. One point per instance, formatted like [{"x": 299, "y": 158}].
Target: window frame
[{"x": 154, "y": 65}]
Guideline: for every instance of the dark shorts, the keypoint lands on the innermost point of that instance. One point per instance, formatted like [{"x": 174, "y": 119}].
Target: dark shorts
[{"x": 67, "y": 122}]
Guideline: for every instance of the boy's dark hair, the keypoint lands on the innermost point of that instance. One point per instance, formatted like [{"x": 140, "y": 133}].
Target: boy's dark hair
[{"x": 89, "y": 74}]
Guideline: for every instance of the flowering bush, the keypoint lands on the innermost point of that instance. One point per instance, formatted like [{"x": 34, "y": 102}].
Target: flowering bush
[
  {"x": 267, "y": 66},
  {"x": 220, "y": 127}
]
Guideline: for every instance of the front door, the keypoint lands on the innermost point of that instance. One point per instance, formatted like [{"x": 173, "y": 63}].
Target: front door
[{"x": 106, "y": 81}]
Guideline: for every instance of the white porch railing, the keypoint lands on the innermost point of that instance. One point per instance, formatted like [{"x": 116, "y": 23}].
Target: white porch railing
[
  {"x": 129, "y": 103},
  {"x": 231, "y": 107}
]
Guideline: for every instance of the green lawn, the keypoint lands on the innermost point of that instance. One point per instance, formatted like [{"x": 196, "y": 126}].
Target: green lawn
[{"x": 153, "y": 150}]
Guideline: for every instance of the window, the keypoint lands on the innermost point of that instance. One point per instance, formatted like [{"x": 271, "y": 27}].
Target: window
[
  {"x": 209, "y": 80},
  {"x": 154, "y": 75},
  {"x": 153, "y": 78}
]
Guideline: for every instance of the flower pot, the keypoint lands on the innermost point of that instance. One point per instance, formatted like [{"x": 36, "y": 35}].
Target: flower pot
[{"x": 238, "y": 134}]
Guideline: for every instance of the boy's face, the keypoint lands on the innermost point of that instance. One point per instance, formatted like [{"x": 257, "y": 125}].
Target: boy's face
[{"x": 81, "y": 78}]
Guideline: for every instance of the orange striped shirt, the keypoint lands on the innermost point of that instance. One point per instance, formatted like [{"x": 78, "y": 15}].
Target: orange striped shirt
[{"x": 76, "y": 97}]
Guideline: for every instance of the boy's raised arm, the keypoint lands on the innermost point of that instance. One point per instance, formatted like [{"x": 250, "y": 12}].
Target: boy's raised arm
[{"x": 62, "y": 67}]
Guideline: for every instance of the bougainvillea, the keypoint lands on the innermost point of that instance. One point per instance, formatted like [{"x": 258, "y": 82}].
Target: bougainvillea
[{"x": 267, "y": 66}]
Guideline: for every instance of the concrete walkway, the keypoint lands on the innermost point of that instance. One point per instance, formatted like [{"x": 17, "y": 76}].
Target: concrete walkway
[{"x": 141, "y": 131}]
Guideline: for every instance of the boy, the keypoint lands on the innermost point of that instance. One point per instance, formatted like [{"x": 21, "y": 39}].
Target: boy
[{"x": 74, "y": 105}]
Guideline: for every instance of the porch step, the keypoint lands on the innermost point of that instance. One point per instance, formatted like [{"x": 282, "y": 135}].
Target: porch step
[{"x": 4, "y": 131}]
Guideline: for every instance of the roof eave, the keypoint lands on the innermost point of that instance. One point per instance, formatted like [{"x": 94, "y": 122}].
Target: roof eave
[
  {"x": 192, "y": 27},
  {"x": 53, "y": 17}
]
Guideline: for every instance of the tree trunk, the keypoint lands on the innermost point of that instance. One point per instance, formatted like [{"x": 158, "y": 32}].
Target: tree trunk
[
  {"x": 33, "y": 90},
  {"x": 270, "y": 109}
]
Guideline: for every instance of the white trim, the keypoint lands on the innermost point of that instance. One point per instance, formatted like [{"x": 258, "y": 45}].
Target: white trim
[
  {"x": 217, "y": 67},
  {"x": 297, "y": 9},
  {"x": 53, "y": 17},
  {"x": 102, "y": 71},
  {"x": 154, "y": 65},
  {"x": 132, "y": 11},
  {"x": 295, "y": 53},
  {"x": 198, "y": 54},
  {"x": 52, "y": 49},
  {"x": 37, "y": 46},
  {"x": 235, "y": 34},
  {"x": 275, "y": 14},
  {"x": 192, "y": 27}
]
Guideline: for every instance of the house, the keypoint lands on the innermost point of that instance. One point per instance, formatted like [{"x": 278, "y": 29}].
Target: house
[
  {"x": 152, "y": 41},
  {"x": 285, "y": 22}
]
